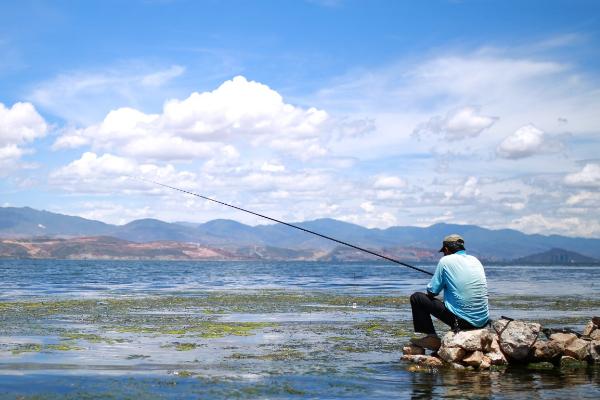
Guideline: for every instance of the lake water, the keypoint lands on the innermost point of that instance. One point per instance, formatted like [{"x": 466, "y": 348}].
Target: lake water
[{"x": 186, "y": 330}]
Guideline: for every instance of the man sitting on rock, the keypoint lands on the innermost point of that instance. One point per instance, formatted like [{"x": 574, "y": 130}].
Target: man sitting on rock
[{"x": 465, "y": 305}]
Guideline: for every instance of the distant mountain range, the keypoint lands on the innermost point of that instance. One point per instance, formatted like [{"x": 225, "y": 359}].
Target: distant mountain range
[
  {"x": 556, "y": 256},
  {"x": 233, "y": 238}
]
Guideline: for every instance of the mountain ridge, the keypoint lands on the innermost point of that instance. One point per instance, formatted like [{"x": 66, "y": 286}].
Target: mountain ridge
[{"x": 495, "y": 245}]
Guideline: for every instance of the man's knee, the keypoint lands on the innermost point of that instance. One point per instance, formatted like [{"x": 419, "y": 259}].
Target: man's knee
[{"x": 418, "y": 298}]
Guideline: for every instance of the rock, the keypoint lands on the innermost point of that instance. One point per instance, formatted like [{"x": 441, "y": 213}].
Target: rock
[
  {"x": 423, "y": 360},
  {"x": 412, "y": 350},
  {"x": 495, "y": 354},
  {"x": 457, "y": 366},
  {"x": 563, "y": 339},
  {"x": 571, "y": 363},
  {"x": 516, "y": 338},
  {"x": 589, "y": 328},
  {"x": 433, "y": 362},
  {"x": 578, "y": 349},
  {"x": 477, "y": 339},
  {"x": 594, "y": 351},
  {"x": 474, "y": 359},
  {"x": 451, "y": 354},
  {"x": 543, "y": 365},
  {"x": 595, "y": 335},
  {"x": 547, "y": 350},
  {"x": 486, "y": 363}
]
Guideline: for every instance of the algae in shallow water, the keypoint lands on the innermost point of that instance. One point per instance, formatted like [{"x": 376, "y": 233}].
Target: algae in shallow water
[
  {"x": 27, "y": 348},
  {"x": 283, "y": 354},
  {"x": 89, "y": 337},
  {"x": 62, "y": 347},
  {"x": 185, "y": 346}
]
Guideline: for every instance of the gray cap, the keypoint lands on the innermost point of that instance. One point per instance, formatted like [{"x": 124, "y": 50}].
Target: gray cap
[{"x": 454, "y": 238}]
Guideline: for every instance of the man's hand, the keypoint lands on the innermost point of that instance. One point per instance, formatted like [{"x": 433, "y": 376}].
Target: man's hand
[{"x": 430, "y": 295}]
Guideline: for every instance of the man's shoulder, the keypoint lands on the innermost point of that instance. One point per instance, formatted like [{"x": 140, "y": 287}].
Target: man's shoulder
[{"x": 451, "y": 259}]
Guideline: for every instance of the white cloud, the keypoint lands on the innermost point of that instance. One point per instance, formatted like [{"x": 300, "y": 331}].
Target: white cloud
[
  {"x": 458, "y": 124},
  {"x": 108, "y": 173},
  {"x": 161, "y": 77},
  {"x": 368, "y": 206},
  {"x": 240, "y": 107},
  {"x": 541, "y": 224},
  {"x": 239, "y": 110},
  {"x": 468, "y": 190},
  {"x": 389, "y": 182},
  {"x": 589, "y": 176},
  {"x": 527, "y": 141},
  {"x": 272, "y": 167},
  {"x": 585, "y": 199},
  {"x": 371, "y": 220},
  {"x": 20, "y": 124}
]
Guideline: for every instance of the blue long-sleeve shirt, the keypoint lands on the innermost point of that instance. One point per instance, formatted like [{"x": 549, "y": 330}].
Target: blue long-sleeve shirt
[{"x": 463, "y": 281}]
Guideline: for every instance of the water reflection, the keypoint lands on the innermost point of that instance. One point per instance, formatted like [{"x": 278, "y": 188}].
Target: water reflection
[{"x": 510, "y": 383}]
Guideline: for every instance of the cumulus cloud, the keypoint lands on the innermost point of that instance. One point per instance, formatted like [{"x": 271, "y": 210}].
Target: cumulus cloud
[
  {"x": 109, "y": 173},
  {"x": 19, "y": 125},
  {"x": 239, "y": 109},
  {"x": 243, "y": 107},
  {"x": 527, "y": 141},
  {"x": 458, "y": 124},
  {"x": 589, "y": 176}
]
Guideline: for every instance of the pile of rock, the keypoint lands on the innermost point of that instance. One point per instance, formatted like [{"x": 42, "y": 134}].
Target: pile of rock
[{"x": 511, "y": 341}]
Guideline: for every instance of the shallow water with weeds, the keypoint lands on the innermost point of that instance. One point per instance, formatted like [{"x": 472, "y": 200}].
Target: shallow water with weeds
[{"x": 175, "y": 330}]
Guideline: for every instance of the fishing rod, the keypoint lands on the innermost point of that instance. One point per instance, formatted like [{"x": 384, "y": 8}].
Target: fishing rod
[{"x": 288, "y": 224}]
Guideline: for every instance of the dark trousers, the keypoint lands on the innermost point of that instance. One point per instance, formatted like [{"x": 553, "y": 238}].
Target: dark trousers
[{"x": 423, "y": 307}]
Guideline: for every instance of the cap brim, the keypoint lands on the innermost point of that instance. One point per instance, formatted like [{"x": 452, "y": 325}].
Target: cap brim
[{"x": 441, "y": 250}]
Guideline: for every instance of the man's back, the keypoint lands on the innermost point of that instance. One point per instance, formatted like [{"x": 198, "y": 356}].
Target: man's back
[{"x": 463, "y": 280}]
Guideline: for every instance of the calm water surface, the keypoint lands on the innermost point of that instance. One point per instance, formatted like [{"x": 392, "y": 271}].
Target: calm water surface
[{"x": 328, "y": 355}]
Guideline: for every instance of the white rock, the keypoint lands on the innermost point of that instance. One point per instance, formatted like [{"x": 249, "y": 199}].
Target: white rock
[
  {"x": 516, "y": 338},
  {"x": 478, "y": 339},
  {"x": 451, "y": 354}
]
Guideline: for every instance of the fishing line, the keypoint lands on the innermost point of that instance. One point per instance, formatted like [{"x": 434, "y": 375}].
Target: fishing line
[{"x": 288, "y": 224}]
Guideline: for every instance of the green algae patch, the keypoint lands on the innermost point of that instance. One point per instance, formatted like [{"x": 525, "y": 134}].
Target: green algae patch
[
  {"x": 540, "y": 366},
  {"x": 27, "y": 348},
  {"x": 382, "y": 327},
  {"x": 185, "y": 346},
  {"x": 62, "y": 347},
  {"x": 339, "y": 338},
  {"x": 212, "y": 329},
  {"x": 88, "y": 337},
  {"x": 571, "y": 363},
  {"x": 283, "y": 354}
]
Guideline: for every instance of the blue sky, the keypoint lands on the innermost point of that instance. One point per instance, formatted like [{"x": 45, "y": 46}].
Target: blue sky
[{"x": 379, "y": 113}]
